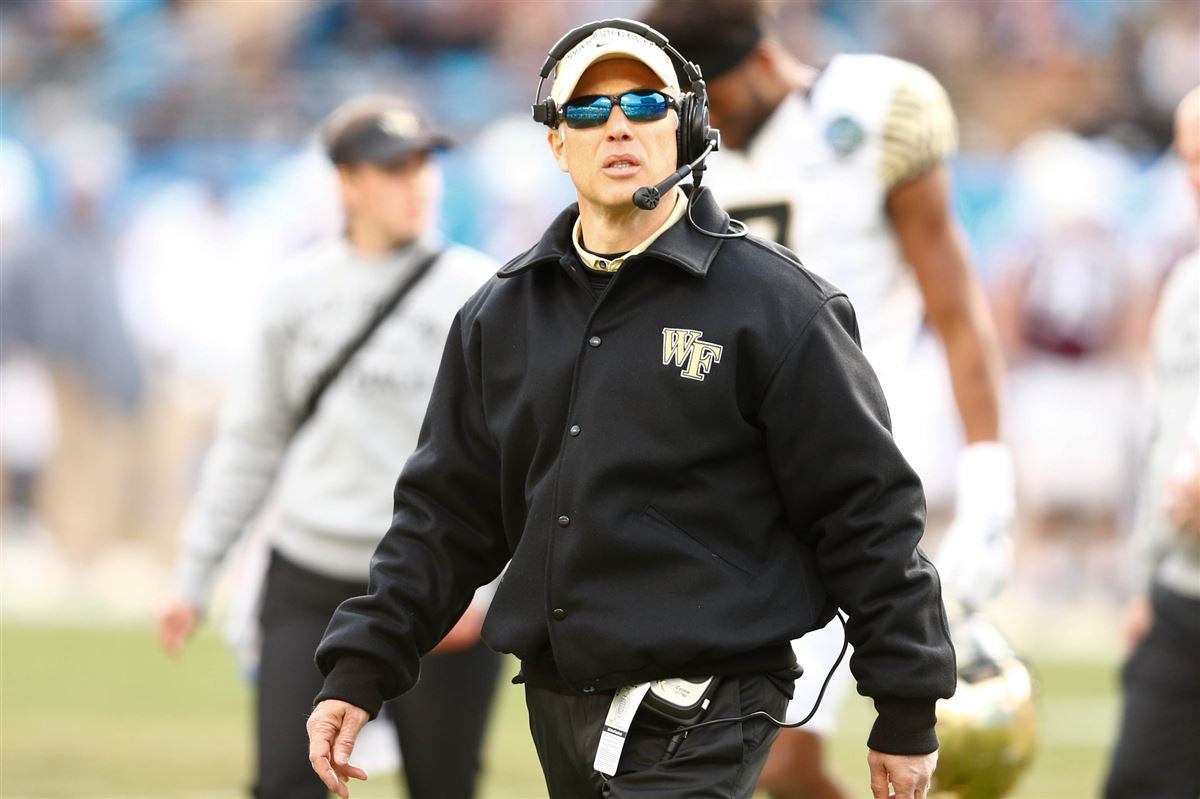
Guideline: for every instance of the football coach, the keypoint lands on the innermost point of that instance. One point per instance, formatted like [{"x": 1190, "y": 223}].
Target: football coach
[{"x": 667, "y": 430}]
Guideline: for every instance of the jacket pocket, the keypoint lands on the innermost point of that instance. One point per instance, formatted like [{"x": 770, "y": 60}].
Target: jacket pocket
[{"x": 655, "y": 515}]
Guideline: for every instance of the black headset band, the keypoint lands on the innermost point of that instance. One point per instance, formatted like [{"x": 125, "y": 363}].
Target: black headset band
[{"x": 574, "y": 36}]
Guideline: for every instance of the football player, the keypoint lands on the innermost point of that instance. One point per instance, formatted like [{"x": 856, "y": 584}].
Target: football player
[{"x": 847, "y": 166}]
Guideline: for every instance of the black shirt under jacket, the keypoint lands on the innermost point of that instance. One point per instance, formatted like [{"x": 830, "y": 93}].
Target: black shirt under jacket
[{"x": 686, "y": 473}]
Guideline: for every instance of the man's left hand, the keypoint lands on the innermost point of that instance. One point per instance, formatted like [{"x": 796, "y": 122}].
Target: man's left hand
[{"x": 908, "y": 775}]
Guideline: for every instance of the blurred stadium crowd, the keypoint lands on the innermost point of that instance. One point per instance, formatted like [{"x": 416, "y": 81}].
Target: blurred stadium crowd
[{"x": 159, "y": 166}]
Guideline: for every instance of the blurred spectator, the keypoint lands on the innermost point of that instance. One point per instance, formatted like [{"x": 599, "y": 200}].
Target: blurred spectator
[
  {"x": 59, "y": 305},
  {"x": 1067, "y": 301},
  {"x": 18, "y": 194},
  {"x": 28, "y": 435},
  {"x": 1166, "y": 63},
  {"x": 27, "y": 413},
  {"x": 1155, "y": 754}
]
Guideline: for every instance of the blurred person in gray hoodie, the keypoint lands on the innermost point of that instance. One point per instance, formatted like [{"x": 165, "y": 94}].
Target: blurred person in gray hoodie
[
  {"x": 1155, "y": 754},
  {"x": 327, "y": 409}
]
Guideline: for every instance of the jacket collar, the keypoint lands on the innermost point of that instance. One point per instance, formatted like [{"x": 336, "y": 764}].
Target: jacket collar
[{"x": 681, "y": 244}]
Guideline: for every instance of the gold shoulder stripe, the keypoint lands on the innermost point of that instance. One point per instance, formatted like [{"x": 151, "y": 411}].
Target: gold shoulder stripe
[{"x": 918, "y": 131}]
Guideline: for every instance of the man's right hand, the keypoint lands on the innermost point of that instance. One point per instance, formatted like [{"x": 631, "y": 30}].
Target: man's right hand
[
  {"x": 332, "y": 729},
  {"x": 176, "y": 621},
  {"x": 907, "y": 776}
]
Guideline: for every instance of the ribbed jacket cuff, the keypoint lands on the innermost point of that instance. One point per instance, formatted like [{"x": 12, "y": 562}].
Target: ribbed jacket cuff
[
  {"x": 904, "y": 727},
  {"x": 356, "y": 679}
]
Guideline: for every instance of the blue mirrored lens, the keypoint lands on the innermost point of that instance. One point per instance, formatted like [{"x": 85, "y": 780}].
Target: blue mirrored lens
[
  {"x": 644, "y": 106},
  {"x": 639, "y": 105},
  {"x": 587, "y": 112}
]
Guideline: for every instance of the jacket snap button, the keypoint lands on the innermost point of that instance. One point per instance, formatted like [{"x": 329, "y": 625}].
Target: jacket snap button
[
  {"x": 589, "y": 689},
  {"x": 574, "y": 430},
  {"x": 559, "y": 614},
  {"x": 594, "y": 341},
  {"x": 563, "y": 521}
]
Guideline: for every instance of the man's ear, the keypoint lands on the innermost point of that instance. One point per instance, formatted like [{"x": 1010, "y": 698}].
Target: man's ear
[
  {"x": 556, "y": 138},
  {"x": 348, "y": 186}
]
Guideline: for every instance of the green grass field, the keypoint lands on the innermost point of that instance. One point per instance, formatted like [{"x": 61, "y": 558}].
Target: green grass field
[{"x": 100, "y": 712}]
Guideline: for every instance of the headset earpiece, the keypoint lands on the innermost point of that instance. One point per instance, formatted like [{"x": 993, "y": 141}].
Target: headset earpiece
[
  {"x": 693, "y": 127},
  {"x": 694, "y": 131},
  {"x": 546, "y": 112},
  {"x": 687, "y": 142}
]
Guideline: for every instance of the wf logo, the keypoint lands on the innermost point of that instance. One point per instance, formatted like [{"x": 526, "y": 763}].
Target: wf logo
[{"x": 685, "y": 349}]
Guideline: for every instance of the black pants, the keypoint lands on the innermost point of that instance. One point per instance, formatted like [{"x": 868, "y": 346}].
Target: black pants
[
  {"x": 1156, "y": 753},
  {"x": 440, "y": 723},
  {"x": 720, "y": 761}
]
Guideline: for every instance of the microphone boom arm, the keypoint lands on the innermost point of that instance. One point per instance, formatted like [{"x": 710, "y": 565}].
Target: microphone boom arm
[{"x": 648, "y": 197}]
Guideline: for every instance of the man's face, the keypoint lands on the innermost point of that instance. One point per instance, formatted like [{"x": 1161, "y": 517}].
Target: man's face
[
  {"x": 397, "y": 201},
  {"x": 737, "y": 101},
  {"x": 609, "y": 162},
  {"x": 729, "y": 107}
]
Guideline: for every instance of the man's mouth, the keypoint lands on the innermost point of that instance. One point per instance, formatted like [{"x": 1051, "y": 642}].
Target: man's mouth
[{"x": 621, "y": 165}]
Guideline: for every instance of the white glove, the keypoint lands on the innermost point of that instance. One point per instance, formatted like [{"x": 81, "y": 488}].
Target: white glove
[{"x": 975, "y": 558}]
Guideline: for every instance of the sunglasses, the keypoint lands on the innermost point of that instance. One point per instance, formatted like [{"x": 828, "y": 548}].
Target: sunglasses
[{"x": 638, "y": 105}]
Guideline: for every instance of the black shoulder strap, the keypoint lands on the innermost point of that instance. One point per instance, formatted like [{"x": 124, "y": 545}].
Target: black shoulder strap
[{"x": 351, "y": 347}]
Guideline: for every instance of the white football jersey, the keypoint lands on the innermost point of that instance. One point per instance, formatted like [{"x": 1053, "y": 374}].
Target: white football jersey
[{"x": 816, "y": 179}]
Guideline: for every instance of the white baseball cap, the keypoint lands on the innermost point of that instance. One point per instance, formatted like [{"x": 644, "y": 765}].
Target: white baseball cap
[{"x": 606, "y": 44}]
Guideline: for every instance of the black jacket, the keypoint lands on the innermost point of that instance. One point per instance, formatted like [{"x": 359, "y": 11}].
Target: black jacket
[{"x": 686, "y": 474}]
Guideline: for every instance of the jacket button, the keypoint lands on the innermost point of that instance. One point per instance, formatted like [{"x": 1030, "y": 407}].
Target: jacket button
[
  {"x": 574, "y": 430},
  {"x": 594, "y": 341},
  {"x": 589, "y": 689},
  {"x": 563, "y": 521},
  {"x": 559, "y": 614}
]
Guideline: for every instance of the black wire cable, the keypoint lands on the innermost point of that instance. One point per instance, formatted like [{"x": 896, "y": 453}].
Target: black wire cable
[
  {"x": 680, "y": 733},
  {"x": 737, "y": 232}
]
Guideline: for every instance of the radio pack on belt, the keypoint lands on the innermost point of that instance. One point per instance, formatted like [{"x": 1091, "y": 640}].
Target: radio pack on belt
[{"x": 682, "y": 700}]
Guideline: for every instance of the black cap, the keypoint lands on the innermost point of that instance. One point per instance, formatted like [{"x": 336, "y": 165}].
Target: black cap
[
  {"x": 718, "y": 35},
  {"x": 378, "y": 130}
]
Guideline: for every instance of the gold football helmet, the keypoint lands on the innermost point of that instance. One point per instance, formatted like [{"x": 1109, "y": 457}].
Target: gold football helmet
[{"x": 988, "y": 729}]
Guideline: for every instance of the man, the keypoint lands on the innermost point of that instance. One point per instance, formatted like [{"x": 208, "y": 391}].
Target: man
[
  {"x": 846, "y": 165},
  {"x": 678, "y": 442},
  {"x": 330, "y": 456},
  {"x": 60, "y": 307},
  {"x": 1155, "y": 754}
]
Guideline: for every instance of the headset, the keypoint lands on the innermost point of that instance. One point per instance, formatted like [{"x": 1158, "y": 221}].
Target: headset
[{"x": 695, "y": 138}]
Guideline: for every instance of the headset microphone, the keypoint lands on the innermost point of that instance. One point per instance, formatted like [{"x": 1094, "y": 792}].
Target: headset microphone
[{"x": 648, "y": 197}]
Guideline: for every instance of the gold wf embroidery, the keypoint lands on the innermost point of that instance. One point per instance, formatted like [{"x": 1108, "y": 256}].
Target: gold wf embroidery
[{"x": 685, "y": 349}]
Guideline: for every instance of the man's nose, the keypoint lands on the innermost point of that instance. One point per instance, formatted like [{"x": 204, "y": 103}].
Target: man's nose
[{"x": 617, "y": 128}]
